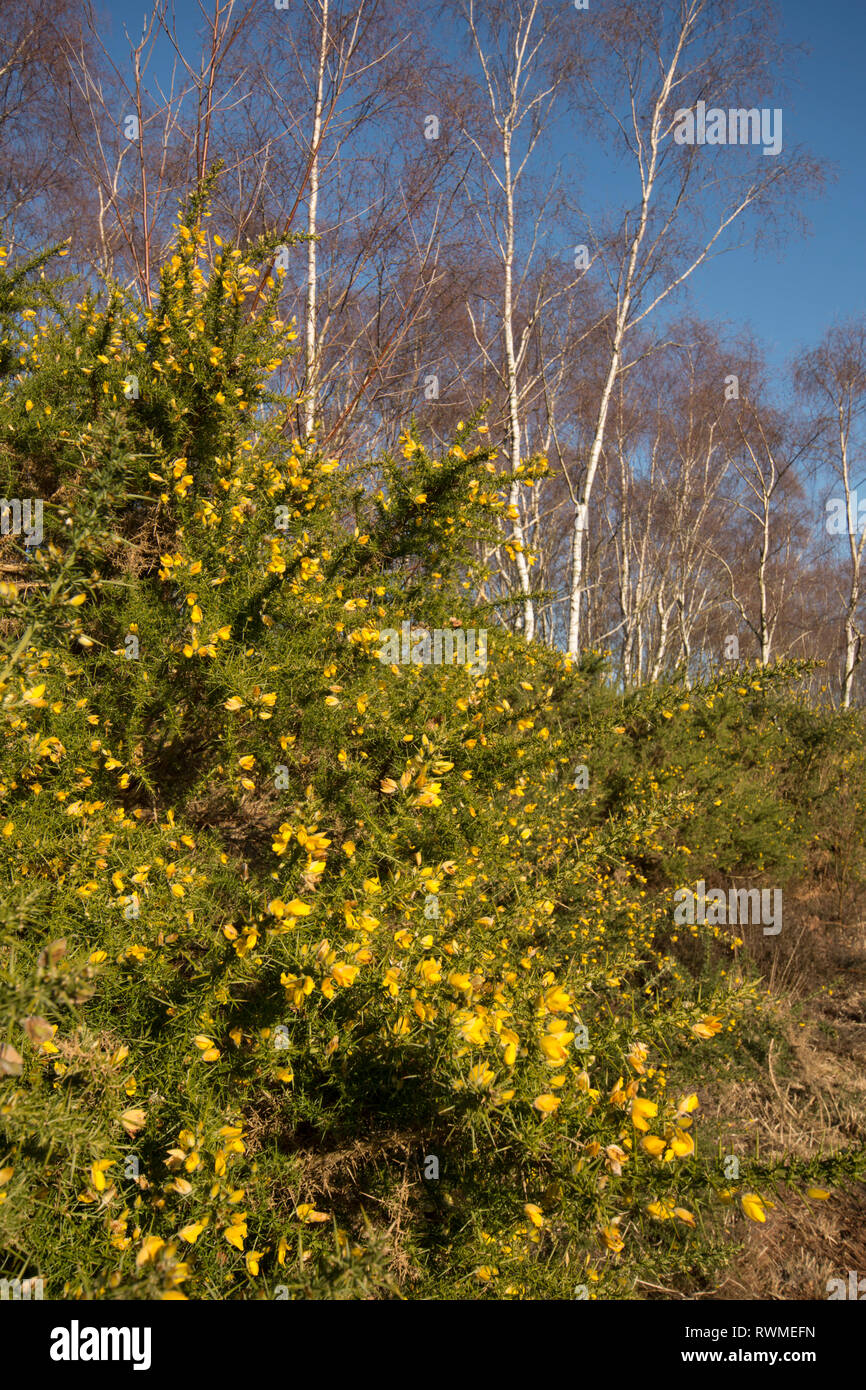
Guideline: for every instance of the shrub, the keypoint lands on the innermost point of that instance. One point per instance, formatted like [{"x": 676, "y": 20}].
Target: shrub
[{"x": 319, "y": 976}]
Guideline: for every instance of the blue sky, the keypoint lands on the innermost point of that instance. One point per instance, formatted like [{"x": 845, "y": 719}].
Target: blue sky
[
  {"x": 790, "y": 297},
  {"x": 787, "y": 296}
]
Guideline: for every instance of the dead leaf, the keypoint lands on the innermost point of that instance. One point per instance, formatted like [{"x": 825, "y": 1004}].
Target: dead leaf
[
  {"x": 37, "y": 1029},
  {"x": 133, "y": 1120},
  {"x": 51, "y": 955},
  {"x": 11, "y": 1062}
]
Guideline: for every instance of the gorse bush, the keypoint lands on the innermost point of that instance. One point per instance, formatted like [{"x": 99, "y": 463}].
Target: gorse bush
[{"x": 321, "y": 976}]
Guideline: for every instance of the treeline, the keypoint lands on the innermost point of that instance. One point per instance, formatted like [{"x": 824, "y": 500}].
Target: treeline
[{"x": 427, "y": 181}]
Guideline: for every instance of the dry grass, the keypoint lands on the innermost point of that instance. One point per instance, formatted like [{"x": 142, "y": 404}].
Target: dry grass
[{"x": 810, "y": 1101}]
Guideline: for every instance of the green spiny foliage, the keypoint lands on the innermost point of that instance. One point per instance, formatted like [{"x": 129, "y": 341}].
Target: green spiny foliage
[{"x": 318, "y": 975}]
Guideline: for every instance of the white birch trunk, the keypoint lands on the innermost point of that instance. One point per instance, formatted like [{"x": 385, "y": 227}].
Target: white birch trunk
[
  {"x": 311, "y": 357},
  {"x": 517, "y": 534}
]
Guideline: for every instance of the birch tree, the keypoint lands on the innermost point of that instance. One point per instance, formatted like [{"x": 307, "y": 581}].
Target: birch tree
[
  {"x": 337, "y": 79},
  {"x": 145, "y": 128},
  {"x": 38, "y": 195},
  {"x": 832, "y": 380},
  {"x": 762, "y": 461},
  {"x": 650, "y": 64},
  {"x": 523, "y": 67},
  {"x": 663, "y": 502}
]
